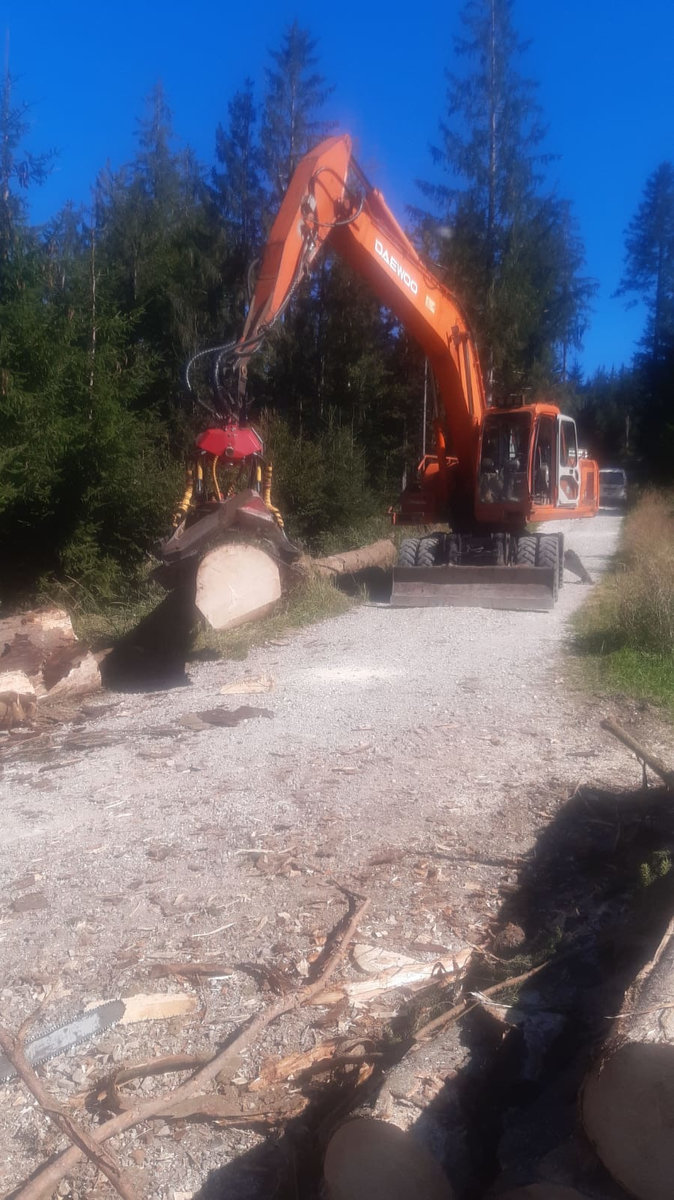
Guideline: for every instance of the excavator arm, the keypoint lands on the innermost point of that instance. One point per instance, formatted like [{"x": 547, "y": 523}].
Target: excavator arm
[
  {"x": 322, "y": 208},
  {"x": 493, "y": 471}
]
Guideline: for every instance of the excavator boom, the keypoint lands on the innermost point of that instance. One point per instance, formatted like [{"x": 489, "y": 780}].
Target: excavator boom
[{"x": 492, "y": 471}]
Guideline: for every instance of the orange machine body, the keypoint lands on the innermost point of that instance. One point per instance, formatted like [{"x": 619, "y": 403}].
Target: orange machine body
[{"x": 456, "y": 482}]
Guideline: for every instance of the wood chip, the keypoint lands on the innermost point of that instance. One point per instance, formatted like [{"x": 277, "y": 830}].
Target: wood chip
[
  {"x": 250, "y": 687},
  {"x": 157, "y": 1006}
]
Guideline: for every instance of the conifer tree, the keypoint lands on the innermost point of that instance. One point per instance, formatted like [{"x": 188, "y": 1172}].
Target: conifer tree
[
  {"x": 237, "y": 186},
  {"x": 512, "y": 253},
  {"x": 19, "y": 167},
  {"x": 295, "y": 95},
  {"x": 649, "y": 261},
  {"x": 649, "y": 274}
]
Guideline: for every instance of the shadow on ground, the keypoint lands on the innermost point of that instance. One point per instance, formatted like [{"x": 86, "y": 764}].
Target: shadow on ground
[
  {"x": 374, "y": 583},
  {"x": 152, "y": 656},
  {"x": 593, "y": 901}
]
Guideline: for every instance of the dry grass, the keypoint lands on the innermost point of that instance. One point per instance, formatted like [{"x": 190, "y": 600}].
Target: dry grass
[
  {"x": 643, "y": 586},
  {"x": 628, "y": 625}
]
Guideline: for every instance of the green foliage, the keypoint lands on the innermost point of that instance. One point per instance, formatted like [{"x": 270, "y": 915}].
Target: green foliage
[
  {"x": 649, "y": 261},
  {"x": 321, "y": 482},
  {"x": 656, "y": 867}
]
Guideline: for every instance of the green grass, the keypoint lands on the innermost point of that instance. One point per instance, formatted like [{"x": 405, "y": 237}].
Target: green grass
[
  {"x": 310, "y": 600},
  {"x": 625, "y": 632},
  {"x": 635, "y": 673}
]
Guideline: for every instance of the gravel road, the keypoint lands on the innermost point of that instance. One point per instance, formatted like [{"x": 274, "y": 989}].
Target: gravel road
[{"x": 388, "y": 734}]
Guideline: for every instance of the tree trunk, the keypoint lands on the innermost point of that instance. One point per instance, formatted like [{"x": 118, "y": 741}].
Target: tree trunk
[
  {"x": 370, "y": 1160},
  {"x": 377, "y": 554},
  {"x": 628, "y": 1096}
]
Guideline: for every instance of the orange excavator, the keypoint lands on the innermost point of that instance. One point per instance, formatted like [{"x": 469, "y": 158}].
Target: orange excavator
[{"x": 494, "y": 470}]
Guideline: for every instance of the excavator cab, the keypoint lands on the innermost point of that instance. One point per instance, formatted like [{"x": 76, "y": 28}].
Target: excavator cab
[{"x": 530, "y": 468}]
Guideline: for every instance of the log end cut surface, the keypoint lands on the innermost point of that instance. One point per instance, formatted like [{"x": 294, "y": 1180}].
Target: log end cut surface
[
  {"x": 236, "y": 583},
  {"x": 628, "y": 1113},
  {"x": 370, "y": 1160}
]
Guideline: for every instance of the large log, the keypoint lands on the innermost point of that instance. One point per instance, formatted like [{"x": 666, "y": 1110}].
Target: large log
[
  {"x": 628, "y": 1096},
  {"x": 377, "y": 554},
  {"x": 236, "y": 582}
]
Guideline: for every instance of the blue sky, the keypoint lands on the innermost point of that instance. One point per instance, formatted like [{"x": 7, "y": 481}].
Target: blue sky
[{"x": 605, "y": 70}]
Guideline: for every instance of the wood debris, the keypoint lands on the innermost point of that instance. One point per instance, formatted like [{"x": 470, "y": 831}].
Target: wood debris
[
  {"x": 387, "y": 970},
  {"x": 248, "y": 686}
]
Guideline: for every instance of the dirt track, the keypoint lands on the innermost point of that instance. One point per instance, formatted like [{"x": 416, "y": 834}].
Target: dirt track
[{"x": 388, "y": 734}]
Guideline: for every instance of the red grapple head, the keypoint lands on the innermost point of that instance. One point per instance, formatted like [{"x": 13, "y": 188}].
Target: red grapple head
[{"x": 233, "y": 443}]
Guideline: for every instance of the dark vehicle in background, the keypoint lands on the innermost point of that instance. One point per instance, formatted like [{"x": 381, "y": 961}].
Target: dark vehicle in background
[{"x": 612, "y": 486}]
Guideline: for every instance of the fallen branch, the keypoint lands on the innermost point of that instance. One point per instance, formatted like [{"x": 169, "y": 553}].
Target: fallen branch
[
  {"x": 465, "y": 1006},
  {"x": 47, "y": 1180},
  {"x": 644, "y": 755},
  {"x": 84, "y": 1143}
]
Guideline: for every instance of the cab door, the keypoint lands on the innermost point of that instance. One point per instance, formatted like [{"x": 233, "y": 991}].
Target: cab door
[{"x": 568, "y": 485}]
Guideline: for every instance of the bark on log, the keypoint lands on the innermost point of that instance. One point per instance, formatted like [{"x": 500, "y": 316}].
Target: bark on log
[
  {"x": 628, "y": 1096},
  {"x": 236, "y": 582},
  {"x": 377, "y": 554}
]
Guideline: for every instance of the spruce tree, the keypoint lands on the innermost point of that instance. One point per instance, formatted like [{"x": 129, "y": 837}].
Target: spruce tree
[
  {"x": 237, "y": 185},
  {"x": 649, "y": 274},
  {"x": 649, "y": 261},
  {"x": 511, "y": 251},
  {"x": 291, "y": 122}
]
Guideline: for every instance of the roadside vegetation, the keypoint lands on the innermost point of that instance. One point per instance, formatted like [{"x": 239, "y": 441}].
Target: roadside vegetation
[{"x": 626, "y": 630}]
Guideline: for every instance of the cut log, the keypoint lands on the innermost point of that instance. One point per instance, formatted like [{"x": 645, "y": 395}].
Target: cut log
[
  {"x": 377, "y": 554},
  {"x": 18, "y": 702},
  {"x": 628, "y": 1096},
  {"x": 370, "y": 1160},
  {"x": 43, "y": 645},
  {"x": 542, "y": 1191},
  {"x": 236, "y": 582}
]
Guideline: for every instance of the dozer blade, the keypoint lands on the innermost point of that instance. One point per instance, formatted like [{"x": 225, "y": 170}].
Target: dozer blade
[{"x": 526, "y": 589}]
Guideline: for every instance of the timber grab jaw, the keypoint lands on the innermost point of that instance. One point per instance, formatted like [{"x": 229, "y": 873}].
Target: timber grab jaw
[{"x": 213, "y": 506}]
